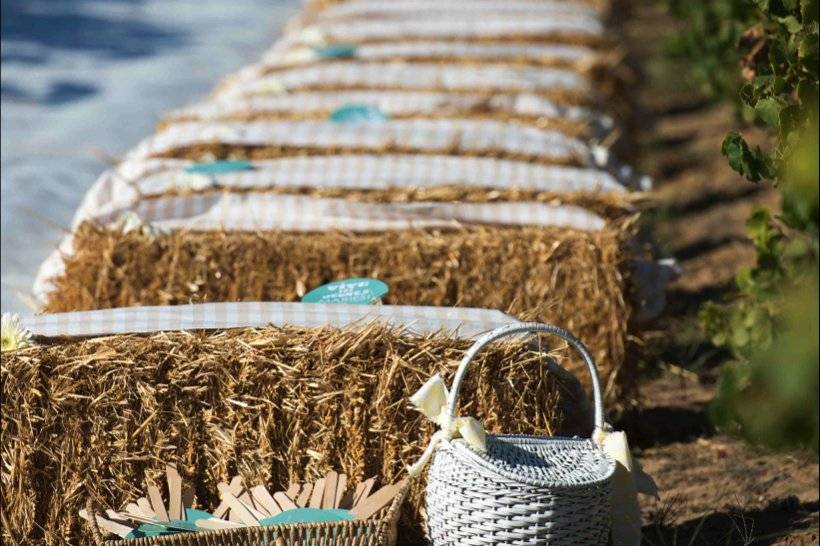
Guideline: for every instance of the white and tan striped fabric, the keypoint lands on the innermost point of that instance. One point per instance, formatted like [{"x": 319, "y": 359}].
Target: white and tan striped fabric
[
  {"x": 392, "y": 104},
  {"x": 451, "y": 136},
  {"x": 353, "y": 74},
  {"x": 437, "y": 8},
  {"x": 454, "y": 51},
  {"x": 453, "y": 321},
  {"x": 125, "y": 184},
  {"x": 467, "y": 26},
  {"x": 255, "y": 211}
]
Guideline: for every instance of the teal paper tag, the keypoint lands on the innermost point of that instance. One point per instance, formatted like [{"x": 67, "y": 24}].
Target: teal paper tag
[
  {"x": 354, "y": 113},
  {"x": 361, "y": 291},
  {"x": 163, "y": 528},
  {"x": 192, "y": 514},
  {"x": 219, "y": 167},
  {"x": 308, "y": 515},
  {"x": 336, "y": 51},
  {"x": 150, "y": 530},
  {"x": 171, "y": 527}
]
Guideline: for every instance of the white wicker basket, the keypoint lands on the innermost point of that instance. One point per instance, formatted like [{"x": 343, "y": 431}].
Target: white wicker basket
[{"x": 524, "y": 490}]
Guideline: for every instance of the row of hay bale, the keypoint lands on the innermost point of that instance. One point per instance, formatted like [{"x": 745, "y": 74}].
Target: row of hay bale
[
  {"x": 458, "y": 150},
  {"x": 484, "y": 182}
]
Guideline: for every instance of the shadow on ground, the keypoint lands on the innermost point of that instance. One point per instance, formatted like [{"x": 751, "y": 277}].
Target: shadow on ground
[
  {"x": 32, "y": 30},
  {"x": 732, "y": 526},
  {"x": 664, "y": 425},
  {"x": 59, "y": 92}
]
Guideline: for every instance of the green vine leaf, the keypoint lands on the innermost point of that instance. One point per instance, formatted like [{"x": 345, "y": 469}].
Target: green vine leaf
[
  {"x": 769, "y": 322},
  {"x": 809, "y": 10},
  {"x": 769, "y": 110},
  {"x": 751, "y": 163}
]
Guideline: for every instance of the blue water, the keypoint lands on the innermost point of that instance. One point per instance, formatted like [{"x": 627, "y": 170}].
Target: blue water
[{"x": 83, "y": 81}]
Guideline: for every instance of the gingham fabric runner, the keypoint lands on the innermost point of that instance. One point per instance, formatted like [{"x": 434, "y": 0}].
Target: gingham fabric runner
[
  {"x": 252, "y": 211},
  {"x": 392, "y": 104},
  {"x": 130, "y": 180},
  {"x": 460, "y": 321},
  {"x": 411, "y": 76},
  {"x": 468, "y": 26},
  {"x": 436, "y": 8},
  {"x": 450, "y": 136}
]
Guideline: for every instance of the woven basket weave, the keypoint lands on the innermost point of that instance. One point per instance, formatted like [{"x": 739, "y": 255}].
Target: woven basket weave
[
  {"x": 524, "y": 490},
  {"x": 379, "y": 530}
]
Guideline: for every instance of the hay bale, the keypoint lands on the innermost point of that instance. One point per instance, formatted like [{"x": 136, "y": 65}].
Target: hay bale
[
  {"x": 425, "y": 138},
  {"x": 615, "y": 206},
  {"x": 600, "y": 41},
  {"x": 575, "y": 279},
  {"x": 391, "y": 179},
  {"x": 220, "y": 150},
  {"x": 573, "y": 128},
  {"x": 89, "y": 419},
  {"x": 559, "y": 85}
]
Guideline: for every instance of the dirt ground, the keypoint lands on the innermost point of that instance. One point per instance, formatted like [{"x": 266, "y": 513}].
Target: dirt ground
[{"x": 714, "y": 489}]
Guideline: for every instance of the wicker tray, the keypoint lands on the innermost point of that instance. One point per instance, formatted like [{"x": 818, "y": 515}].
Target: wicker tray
[{"x": 379, "y": 530}]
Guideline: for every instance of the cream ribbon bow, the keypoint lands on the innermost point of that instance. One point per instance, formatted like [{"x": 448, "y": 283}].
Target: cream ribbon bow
[
  {"x": 628, "y": 481},
  {"x": 431, "y": 400}
]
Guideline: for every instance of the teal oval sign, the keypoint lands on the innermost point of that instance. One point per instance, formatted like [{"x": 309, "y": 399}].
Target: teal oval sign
[
  {"x": 353, "y": 113},
  {"x": 357, "y": 291},
  {"x": 219, "y": 167},
  {"x": 336, "y": 51}
]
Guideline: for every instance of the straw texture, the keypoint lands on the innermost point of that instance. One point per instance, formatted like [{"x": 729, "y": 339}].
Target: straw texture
[
  {"x": 89, "y": 419},
  {"x": 575, "y": 279}
]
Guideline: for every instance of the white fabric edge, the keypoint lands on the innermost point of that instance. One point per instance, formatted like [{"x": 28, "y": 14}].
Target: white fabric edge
[{"x": 419, "y": 320}]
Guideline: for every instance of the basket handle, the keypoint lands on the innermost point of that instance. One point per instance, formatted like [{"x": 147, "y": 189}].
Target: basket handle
[{"x": 529, "y": 327}]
